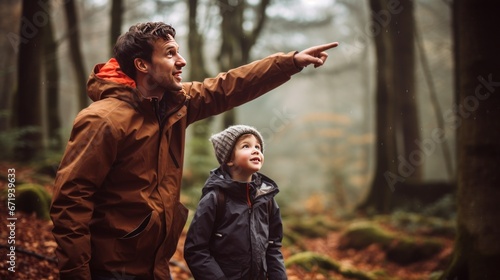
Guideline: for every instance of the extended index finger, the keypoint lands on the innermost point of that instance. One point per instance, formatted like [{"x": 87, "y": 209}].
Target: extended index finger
[{"x": 325, "y": 47}]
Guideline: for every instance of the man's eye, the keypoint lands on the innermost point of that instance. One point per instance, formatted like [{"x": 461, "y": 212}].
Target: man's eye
[{"x": 172, "y": 53}]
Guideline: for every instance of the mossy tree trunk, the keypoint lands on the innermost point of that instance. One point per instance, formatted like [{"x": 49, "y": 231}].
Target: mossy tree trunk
[{"x": 477, "y": 76}]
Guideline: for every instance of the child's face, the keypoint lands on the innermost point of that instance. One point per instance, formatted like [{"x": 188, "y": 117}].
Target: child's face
[{"x": 247, "y": 158}]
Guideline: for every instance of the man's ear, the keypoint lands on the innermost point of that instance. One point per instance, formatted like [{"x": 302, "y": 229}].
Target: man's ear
[
  {"x": 141, "y": 65},
  {"x": 229, "y": 164}
]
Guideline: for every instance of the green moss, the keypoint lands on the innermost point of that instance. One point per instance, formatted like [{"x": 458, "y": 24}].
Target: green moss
[
  {"x": 31, "y": 198},
  {"x": 400, "y": 248},
  {"x": 292, "y": 238},
  {"x": 362, "y": 234},
  {"x": 311, "y": 226},
  {"x": 407, "y": 250},
  {"x": 311, "y": 261}
]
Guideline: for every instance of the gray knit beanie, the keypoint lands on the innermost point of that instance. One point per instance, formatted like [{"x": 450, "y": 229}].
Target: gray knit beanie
[{"x": 225, "y": 140}]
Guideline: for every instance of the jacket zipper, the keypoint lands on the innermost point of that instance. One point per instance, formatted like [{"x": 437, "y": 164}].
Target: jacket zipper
[
  {"x": 154, "y": 101},
  {"x": 156, "y": 108},
  {"x": 161, "y": 123},
  {"x": 249, "y": 203}
]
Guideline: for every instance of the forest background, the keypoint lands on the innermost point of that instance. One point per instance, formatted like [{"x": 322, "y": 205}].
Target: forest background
[{"x": 397, "y": 123}]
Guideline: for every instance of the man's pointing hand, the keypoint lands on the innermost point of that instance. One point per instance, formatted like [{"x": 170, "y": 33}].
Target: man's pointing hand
[{"x": 314, "y": 55}]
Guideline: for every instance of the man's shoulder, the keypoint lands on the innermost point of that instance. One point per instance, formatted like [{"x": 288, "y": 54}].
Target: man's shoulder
[
  {"x": 110, "y": 111},
  {"x": 106, "y": 106}
]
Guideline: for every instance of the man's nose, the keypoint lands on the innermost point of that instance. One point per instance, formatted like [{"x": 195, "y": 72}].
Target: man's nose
[{"x": 181, "y": 62}]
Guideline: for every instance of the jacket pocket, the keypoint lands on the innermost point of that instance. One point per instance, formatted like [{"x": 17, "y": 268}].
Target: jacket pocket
[
  {"x": 143, "y": 239},
  {"x": 178, "y": 221},
  {"x": 234, "y": 270},
  {"x": 145, "y": 224}
]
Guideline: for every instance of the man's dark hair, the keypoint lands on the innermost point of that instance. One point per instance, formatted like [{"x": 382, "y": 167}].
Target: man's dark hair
[{"x": 138, "y": 43}]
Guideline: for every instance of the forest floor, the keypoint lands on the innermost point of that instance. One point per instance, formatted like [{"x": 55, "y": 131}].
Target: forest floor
[{"x": 35, "y": 250}]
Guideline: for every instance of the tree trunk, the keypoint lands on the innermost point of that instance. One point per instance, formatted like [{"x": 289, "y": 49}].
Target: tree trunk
[
  {"x": 236, "y": 43},
  {"x": 29, "y": 118},
  {"x": 197, "y": 71},
  {"x": 116, "y": 23},
  {"x": 398, "y": 157},
  {"x": 199, "y": 161},
  {"x": 477, "y": 248},
  {"x": 401, "y": 29},
  {"x": 76, "y": 53},
  {"x": 52, "y": 87},
  {"x": 380, "y": 193},
  {"x": 9, "y": 47},
  {"x": 230, "y": 55}
]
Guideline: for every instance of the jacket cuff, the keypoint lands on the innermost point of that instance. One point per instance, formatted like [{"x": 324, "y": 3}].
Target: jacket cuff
[
  {"x": 294, "y": 63},
  {"x": 287, "y": 63}
]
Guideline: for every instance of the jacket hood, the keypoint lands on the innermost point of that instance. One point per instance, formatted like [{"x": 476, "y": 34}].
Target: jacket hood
[
  {"x": 260, "y": 183},
  {"x": 107, "y": 80}
]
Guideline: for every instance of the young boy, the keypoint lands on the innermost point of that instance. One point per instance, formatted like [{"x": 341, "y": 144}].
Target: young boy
[{"x": 245, "y": 243}]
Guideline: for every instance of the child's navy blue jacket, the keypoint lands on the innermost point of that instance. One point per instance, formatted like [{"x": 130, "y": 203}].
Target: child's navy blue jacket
[{"x": 246, "y": 242}]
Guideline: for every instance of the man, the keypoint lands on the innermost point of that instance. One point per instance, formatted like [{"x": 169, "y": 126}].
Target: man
[{"x": 116, "y": 208}]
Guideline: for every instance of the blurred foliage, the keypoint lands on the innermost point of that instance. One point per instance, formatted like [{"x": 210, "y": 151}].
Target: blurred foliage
[
  {"x": 445, "y": 207},
  {"x": 199, "y": 162},
  {"x": 9, "y": 141},
  {"x": 48, "y": 164},
  {"x": 420, "y": 223},
  {"x": 315, "y": 203},
  {"x": 443, "y": 203},
  {"x": 190, "y": 197}
]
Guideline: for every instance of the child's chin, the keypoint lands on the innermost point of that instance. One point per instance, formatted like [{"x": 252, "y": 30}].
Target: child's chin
[{"x": 256, "y": 169}]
